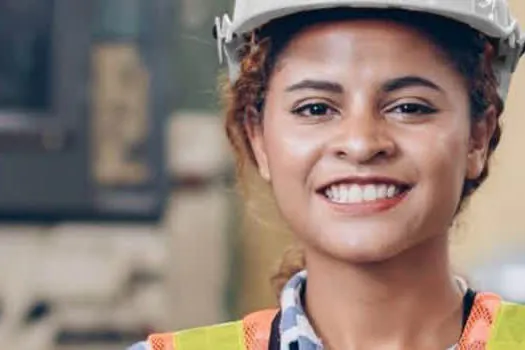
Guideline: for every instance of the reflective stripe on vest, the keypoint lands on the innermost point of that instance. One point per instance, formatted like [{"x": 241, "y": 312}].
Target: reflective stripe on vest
[
  {"x": 492, "y": 325},
  {"x": 252, "y": 333}
]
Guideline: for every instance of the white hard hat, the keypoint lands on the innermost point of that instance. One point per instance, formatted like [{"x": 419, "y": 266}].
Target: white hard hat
[{"x": 490, "y": 17}]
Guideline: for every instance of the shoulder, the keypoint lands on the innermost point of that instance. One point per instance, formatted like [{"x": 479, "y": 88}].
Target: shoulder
[
  {"x": 496, "y": 322},
  {"x": 253, "y": 328},
  {"x": 492, "y": 308}
]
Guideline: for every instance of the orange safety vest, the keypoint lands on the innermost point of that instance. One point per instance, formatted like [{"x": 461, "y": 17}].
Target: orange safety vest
[{"x": 492, "y": 325}]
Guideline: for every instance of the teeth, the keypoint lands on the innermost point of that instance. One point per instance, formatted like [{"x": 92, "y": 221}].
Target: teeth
[
  {"x": 343, "y": 193},
  {"x": 360, "y": 193},
  {"x": 369, "y": 193},
  {"x": 392, "y": 191},
  {"x": 355, "y": 194},
  {"x": 382, "y": 191}
]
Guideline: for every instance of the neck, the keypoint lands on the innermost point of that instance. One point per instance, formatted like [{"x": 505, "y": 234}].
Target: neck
[{"x": 409, "y": 302}]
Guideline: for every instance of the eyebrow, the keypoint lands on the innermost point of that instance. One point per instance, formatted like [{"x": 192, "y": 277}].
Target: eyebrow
[
  {"x": 389, "y": 86},
  {"x": 323, "y": 85},
  {"x": 409, "y": 81}
]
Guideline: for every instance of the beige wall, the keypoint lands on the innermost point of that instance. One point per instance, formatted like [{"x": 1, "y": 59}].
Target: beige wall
[{"x": 494, "y": 217}]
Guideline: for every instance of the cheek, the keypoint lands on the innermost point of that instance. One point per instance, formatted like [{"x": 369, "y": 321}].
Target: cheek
[
  {"x": 291, "y": 152},
  {"x": 442, "y": 157}
]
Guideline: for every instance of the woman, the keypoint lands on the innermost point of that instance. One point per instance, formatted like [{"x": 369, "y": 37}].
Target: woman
[{"x": 373, "y": 121}]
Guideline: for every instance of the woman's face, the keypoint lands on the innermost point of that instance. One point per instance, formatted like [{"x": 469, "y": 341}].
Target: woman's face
[{"x": 366, "y": 139}]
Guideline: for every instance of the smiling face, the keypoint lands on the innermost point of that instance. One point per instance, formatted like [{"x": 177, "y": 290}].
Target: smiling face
[{"x": 366, "y": 139}]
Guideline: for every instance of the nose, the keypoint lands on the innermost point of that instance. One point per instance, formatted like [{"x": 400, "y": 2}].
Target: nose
[{"x": 363, "y": 140}]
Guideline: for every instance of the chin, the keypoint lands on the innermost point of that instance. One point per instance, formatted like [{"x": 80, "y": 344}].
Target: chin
[
  {"x": 364, "y": 248},
  {"x": 364, "y": 255}
]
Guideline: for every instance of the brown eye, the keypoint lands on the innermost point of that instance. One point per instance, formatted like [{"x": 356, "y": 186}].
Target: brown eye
[
  {"x": 314, "y": 110},
  {"x": 413, "y": 108}
]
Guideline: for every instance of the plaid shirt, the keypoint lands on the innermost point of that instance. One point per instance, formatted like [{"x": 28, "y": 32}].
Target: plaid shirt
[
  {"x": 140, "y": 346},
  {"x": 296, "y": 331}
]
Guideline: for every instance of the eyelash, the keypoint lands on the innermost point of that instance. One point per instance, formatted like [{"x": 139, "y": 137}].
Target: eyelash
[
  {"x": 420, "y": 109},
  {"x": 300, "y": 111}
]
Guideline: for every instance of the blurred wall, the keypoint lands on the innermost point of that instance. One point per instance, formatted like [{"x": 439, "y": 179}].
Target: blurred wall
[
  {"x": 99, "y": 285},
  {"x": 94, "y": 286}
]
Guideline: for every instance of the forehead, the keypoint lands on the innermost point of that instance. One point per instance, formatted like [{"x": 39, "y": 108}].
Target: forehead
[{"x": 380, "y": 46}]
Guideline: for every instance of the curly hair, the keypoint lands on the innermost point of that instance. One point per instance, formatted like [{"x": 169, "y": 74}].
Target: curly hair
[{"x": 470, "y": 52}]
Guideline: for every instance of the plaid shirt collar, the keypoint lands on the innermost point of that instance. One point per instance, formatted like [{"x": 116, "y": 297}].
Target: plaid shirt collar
[{"x": 296, "y": 330}]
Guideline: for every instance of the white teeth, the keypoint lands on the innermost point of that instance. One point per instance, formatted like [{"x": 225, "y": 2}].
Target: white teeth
[
  {"x": 329, "y": 193},
  {"x": 343, "y": 193},
  {"x": 382, "y": 191},
  {"x": 391, "y": 192},
  {"x": 355, "y": 194},
  {"x": 332, "y": 193},
  {"x": 370, "y": 193},
  {"x": 360, "y": 193}
]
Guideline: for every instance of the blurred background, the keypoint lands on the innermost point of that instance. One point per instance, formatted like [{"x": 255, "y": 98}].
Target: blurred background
[{"x": 118, "y": 210}]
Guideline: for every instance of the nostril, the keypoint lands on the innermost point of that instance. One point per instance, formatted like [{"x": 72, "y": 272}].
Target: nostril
[
  {"x": 382, "y": 153},
  {"x": 341, "y": 154}
]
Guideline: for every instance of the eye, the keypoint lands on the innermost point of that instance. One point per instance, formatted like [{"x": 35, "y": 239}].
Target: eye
[
  {"x": 315, "y": 110},
  {"x": 412, "y": 109}
]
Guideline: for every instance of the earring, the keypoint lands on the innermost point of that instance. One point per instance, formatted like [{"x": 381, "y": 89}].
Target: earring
[
  {"x": 265, "y": 175},
  {"x": 264, "y": 172}
]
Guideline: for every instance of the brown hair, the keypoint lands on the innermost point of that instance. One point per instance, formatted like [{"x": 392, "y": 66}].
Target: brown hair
[{"x": 470, "y": 52}]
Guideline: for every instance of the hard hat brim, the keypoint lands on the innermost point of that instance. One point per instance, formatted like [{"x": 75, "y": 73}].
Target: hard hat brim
[{"x": 483, "y": 22}]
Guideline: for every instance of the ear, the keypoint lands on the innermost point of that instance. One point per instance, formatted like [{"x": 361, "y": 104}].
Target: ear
[
  {"x": 255, "y": 134},
  {"x": 479, "y": 143}
]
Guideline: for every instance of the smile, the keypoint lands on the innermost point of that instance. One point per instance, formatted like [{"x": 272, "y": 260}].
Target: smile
[
  {"x": 356, "y": 193},
  {"x": 364, "y": 196}
]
